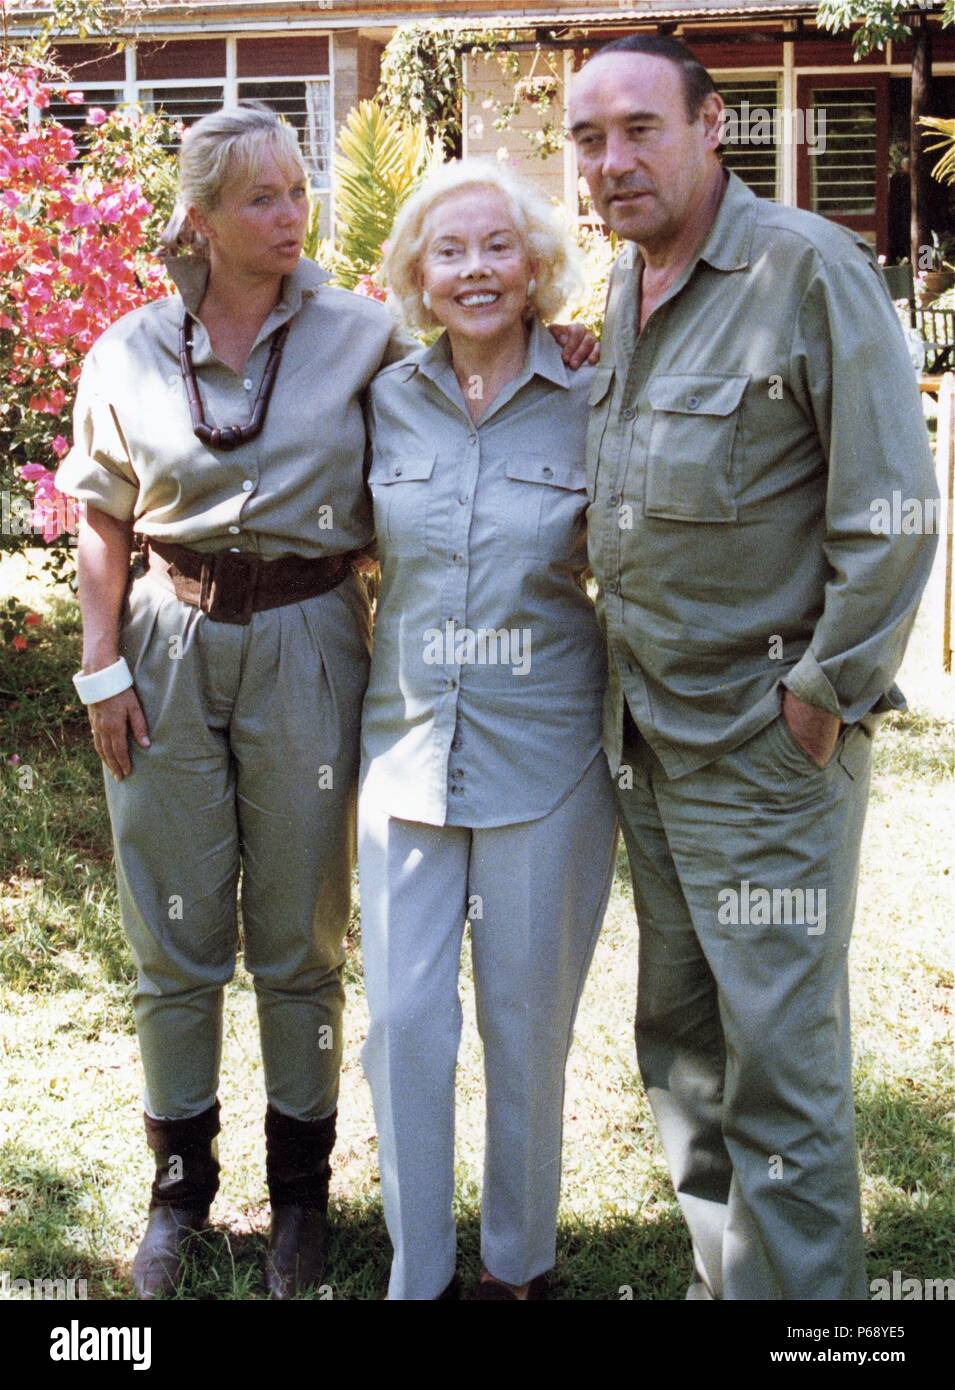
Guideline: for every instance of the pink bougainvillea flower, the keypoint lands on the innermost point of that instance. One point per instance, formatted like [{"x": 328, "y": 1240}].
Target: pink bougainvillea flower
[
  {"x": 96, "y": 116},
  {"x": 20, "y": 643},
  {"x": 60, "y": 446},
  {"x": 33, "y": 619},
  {"x": 74, "y": 98}
]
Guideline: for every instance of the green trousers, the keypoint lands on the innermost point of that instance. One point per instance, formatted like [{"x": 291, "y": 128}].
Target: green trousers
[
  {"x": 744, "y": 877},
  {"x": 252, "y": 768}
]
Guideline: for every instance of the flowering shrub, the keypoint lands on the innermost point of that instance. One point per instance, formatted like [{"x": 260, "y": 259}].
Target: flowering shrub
[{"x": 74, "y": 239}]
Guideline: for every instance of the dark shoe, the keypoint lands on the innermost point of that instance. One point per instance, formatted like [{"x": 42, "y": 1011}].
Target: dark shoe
[
  {"x": 187, "y": 1179},
  {"x": 298, "y": 1171},
  {"x": 452, "y": 1292},
  {"x": 492, "y": 1290},
  {"x": 157, "y": 1268},
  {"x": 296, "y": 1254}
]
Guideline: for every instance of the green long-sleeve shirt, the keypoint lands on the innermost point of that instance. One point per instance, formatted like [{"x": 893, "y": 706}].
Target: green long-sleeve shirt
[{"x": 743, "y": 452}]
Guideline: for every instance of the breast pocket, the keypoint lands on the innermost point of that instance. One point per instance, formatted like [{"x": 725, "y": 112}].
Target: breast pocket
[
  {"x": 401, "y": 491},
  {"x": 547, "y": 499},
  {"x": 693, "y": 441}
]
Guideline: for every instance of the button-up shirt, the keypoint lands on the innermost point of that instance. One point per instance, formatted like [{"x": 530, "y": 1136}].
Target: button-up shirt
[
  {"x": 297, "y": 488},
  {"x": 740, "y": 449},
  {"x": 488, "y": 670}
]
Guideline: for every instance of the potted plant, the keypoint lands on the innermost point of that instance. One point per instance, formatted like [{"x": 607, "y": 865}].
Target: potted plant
[{"x": 938, "y": 268}]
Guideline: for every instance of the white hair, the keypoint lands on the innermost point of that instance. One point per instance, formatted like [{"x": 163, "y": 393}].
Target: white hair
[{"x": 545, "y": 236}]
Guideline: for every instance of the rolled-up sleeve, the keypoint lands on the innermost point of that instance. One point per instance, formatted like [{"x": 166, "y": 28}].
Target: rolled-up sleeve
[
  {"x": 98, "y": 470},
  {"x": 850, "y": 363}
]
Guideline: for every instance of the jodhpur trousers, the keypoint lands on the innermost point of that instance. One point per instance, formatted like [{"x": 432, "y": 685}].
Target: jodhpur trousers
[{"x": 252, "y": 769}]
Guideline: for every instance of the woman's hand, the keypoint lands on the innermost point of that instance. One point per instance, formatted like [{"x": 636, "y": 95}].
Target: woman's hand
[
  {"x": 578, "y": 342},
  {"x": 112, "y": 721}
]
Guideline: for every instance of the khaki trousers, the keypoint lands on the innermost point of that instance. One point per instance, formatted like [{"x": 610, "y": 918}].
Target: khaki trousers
[
  {"x": 252, "y": 769},
  {"x": 541, "y": 888},
  {"x": 742, "y": 1005}
]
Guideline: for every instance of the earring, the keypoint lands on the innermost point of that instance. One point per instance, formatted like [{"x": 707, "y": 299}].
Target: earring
[
  {"x": 531, "y": 286},
  {"x": 426, "y": 299}
]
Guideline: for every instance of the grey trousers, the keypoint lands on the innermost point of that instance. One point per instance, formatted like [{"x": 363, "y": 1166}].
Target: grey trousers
[
  {"x": 541, "y": 889},
  {"x": 253, "y": 766},
  {"x": 744, "y": 877}
]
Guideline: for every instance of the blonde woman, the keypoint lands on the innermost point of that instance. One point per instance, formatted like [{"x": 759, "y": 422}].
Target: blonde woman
[{"x": 485, "y": 793}]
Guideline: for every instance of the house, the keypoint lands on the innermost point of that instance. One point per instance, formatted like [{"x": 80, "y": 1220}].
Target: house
[{"x": 813, "y": 128}]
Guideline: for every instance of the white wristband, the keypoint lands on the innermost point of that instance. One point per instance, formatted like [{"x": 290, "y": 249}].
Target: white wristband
[{"x": 102, "y": 684}]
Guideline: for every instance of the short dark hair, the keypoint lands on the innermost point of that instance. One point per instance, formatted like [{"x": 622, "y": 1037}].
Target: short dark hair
[{"x": 697, "y": 82}]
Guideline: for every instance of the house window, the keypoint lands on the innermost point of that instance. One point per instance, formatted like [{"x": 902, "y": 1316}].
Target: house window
[
  {"x": 188, "y": 103},
  {"x": 753, "y": 133},
  {"x": 844, "y": 175}
]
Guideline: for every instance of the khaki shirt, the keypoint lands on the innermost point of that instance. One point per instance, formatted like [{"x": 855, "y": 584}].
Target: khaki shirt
[
  {"x": 296, "y": 489},
  {"x": 737, "y": 448},
  {"x": 488, "y": 669}
]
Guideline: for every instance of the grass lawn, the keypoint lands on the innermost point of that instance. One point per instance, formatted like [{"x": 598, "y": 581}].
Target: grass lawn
[{"x": 74, "y": 1169}]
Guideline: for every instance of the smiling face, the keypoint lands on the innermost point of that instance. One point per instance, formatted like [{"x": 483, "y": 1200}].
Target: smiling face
[
  {"x": 474, "y": 264},
  {"x": 258, "y": 225},
  {"x": 646, "y": 164}
]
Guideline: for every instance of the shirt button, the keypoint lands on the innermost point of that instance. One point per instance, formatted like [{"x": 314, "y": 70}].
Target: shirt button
[
  {"x": 233, "y": 530},
  {"x": 463, "y": 500},
  {"x": 472, "y": 438},
  {"x": 458, "y": 558},
  {"x": 629, "y": 413},
  {"x": 456, "y": 791},
  {"x": 456, "y": 744},
  {"x": 248, "y": 383},
  {"x": 547, "y": 472},
  {"x": 398, "y": 472},
  {"x": 248, "y": 485},
  {"x": 613, "y": 499},
  {"x": 450, "y": 682},
  {"x": 692, "y": 402},
  {"x": 612, "y": 586},
  {"x": 457, "y": 774}
]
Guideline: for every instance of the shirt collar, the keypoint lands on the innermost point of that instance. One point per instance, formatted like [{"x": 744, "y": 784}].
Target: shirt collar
[
  {"x": 544, "y": 358},
  {"x": 730, "y": 239},
  {"x": 190, "y": 274}
]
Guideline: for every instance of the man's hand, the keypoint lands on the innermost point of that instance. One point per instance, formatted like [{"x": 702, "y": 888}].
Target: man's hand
[
  {"x": 111, "y": 721},
  {"x": 815, "y": 730},
  {"x": 578, "y": 343}
]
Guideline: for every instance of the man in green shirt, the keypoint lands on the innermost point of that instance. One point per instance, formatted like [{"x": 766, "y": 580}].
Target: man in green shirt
[{"x": 754, "y": 411}]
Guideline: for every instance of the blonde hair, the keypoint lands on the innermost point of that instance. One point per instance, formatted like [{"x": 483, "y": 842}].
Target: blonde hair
[
  {"x": 223, "y": 147},
  {"x": 545, "y": 236}
]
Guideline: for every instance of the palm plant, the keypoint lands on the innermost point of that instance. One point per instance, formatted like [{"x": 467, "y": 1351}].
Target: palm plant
[
  {"x": 944, "y": 170},
  {"x": 380, "y": 162}
]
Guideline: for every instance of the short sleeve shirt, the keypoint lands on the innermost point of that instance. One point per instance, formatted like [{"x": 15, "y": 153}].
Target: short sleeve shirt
[
  {"x": 488, "y": 670},
  {"x": 297, "y": 488}
]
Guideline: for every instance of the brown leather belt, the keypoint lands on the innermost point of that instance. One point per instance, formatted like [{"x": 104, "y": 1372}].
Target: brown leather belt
[{"x": 231, "y": 585}]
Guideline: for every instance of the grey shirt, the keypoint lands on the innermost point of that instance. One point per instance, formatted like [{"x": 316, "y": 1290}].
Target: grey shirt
[
  {"x": 740, "y": 450},
  {"x": 297, "y": 488},
  {"x": 488, "y": 670}
]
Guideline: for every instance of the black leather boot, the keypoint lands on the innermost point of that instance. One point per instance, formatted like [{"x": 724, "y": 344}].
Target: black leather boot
[
  {"x": 187, "y": 1179},
  {"x": 298, "y": 1171}
]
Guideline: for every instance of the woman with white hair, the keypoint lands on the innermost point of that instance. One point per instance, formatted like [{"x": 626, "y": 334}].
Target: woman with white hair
[
  {"x": 485, "y": 795},
  {"x": 224, "y": 425}
]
